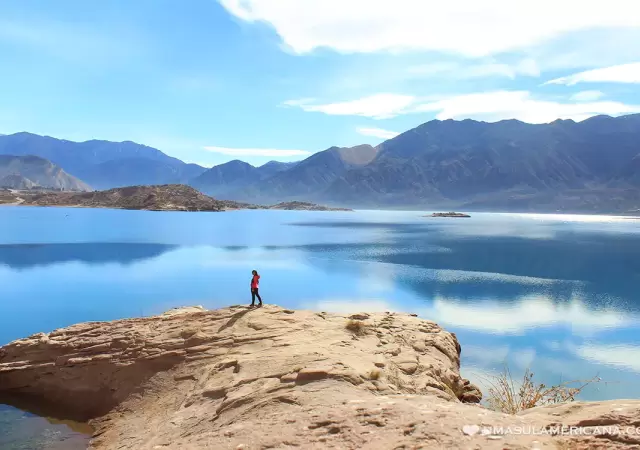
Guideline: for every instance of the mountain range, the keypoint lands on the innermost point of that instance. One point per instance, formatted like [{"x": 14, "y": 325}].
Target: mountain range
[
  {"x": 103, "y": 164},
  {"x": 29, "y": 172},
  {"x": 587, "y": 166}
]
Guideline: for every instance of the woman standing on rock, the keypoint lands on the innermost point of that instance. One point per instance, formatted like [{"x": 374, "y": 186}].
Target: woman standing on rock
[{"x": 255, "y": 285}]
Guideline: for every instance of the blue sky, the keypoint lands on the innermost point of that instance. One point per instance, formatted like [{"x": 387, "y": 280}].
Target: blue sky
[{"x": 209, "y": 81}]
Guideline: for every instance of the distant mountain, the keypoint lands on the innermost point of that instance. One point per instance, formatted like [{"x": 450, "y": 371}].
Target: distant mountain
[
  {"x": 103, "y": 164},
  {"x": 27, "y": 172},
  {"x": 308, "y": 179},
  {"x": 502, "y": 165},
  {"x": 273, "y": 167},
  {"x": 225, "y": 177},
  {"x": 588, "y": 166},
  {"x": 15, "y": 181},
  {"x": 234, "y": 175},
  {"x": 139, "y": 171}
]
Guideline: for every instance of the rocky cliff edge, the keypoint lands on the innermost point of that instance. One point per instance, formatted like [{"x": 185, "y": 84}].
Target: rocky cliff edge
[{"x": 239, "y": 378}]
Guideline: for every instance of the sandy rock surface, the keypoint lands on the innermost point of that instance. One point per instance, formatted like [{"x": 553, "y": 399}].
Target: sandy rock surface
[{"x": 239, "y": 378}]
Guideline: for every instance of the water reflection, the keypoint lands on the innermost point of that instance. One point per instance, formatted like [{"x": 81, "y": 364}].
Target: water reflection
[
  {"x": 552, "y": 294},
  {"x": 20, "y": 256},
  {"x": 24, "y": 431}
]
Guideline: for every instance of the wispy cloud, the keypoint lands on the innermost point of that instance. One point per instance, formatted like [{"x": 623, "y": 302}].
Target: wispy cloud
[
  {"x": 527, "y": 313},
  {"x": 623, "y": 73},
  {"x": 625, "y": 356},
  {"x": 349, "y": 306},
  {"x": 257, "y": 151},
  {"x": 378, "y": 106},
  {"x": 522, "y": 105},
  {"x": 587, "y": 96},
  {"x": 490, "y": 106},
  {"x": 462, "y": 71},
  {"x": 465, "y": 27},
  {"x": 377, "y": 132}
]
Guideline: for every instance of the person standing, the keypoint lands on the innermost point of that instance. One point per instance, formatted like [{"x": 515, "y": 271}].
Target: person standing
[{"x": 255, "y": 286}]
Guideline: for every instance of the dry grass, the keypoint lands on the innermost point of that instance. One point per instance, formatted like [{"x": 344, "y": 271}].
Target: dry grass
[
  {"x": 357, "y": 327},
  {"x": 509, "y": 396}
]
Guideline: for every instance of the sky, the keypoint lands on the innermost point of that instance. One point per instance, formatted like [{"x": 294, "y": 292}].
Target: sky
[{"x": 209, "y": 81}]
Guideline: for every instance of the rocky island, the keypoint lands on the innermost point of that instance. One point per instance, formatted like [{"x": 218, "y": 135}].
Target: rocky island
[
  {"x": 169, "y": 197},
  {"x": 449, "y": 214},
  {"x": 305, "y": 206},
  {"x": 274, "y": 378}
]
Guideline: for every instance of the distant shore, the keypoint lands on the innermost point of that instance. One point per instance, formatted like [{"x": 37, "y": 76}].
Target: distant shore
[
  {"x": 144, "y": 198},
  {"x": 449, "y": 214}
]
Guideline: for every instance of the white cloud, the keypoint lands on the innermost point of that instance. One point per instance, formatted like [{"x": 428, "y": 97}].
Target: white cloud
[
  {"x": 620, "y": 355},
  {"x": 298, "y": 102},
  {"x": 527, "y": 313},
  {"x": 256, "y": 151},
  {"x": 497, "y": 356},
  {"x": 349, "y": 306},
  {"x": 587, "y": 96},
  {"x": 461, "y": 71},
  {"x": 378, "y": 106},
  {"x": 623, "y": 73},
  {"x": 489, "y": 106},
  {"x": 526, "y": 67},
  {"x": 500, "y": 105},
  {"x": 377, "y": 132},
  {"x": 462, "y": 26}
]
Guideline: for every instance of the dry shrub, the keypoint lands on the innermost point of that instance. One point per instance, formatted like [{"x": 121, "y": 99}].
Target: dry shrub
[
  {"x": 509, "y": 396},
  {"x": 357, "y": 327}
]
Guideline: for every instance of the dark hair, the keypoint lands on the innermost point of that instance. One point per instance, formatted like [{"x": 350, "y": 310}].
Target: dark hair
[{"x": 255, "y": 272}]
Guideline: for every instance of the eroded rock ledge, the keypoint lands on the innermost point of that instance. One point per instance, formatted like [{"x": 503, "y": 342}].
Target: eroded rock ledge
[{"x": 274, "y": 378}]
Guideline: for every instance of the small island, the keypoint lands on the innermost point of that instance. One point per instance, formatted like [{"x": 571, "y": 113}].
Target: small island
[
  {"x": 169, "y": 197},
  {"x": 305, "y": 206},
  {"x": 449, "y": 214}
]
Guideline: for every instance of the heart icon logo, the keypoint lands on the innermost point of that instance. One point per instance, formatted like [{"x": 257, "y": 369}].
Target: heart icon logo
[{"x": 470, "y": 430}]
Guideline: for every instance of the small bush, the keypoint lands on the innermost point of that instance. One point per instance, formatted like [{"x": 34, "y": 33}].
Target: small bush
[
  {"x": 357, "y": 327},
  {"x": 375, "y": 374},
  {"x": 508, "y": 396}
]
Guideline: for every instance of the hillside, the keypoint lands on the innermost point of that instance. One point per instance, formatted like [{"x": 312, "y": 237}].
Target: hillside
[
  {"x": 27, "y": 172},
  {"x": 16, "y": 181},
  {"x": 497, "y": 165},
  {"x": 235, "y": 175},
  {"x": 591, "y": 166},
  {"x": 308, "y": 179},
  {"x": 103, "y": 164},
  {"x": 175, "y": 197},
  {"x": 274, "y": 378},
  {"x": 152, "y": 198}
]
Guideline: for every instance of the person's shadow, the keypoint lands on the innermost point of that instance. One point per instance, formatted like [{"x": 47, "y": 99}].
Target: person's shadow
[{"x": 234, "y": 318}]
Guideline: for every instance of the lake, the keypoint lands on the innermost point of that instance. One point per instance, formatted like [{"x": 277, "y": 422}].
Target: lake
[{"x": 554, "y": 293}]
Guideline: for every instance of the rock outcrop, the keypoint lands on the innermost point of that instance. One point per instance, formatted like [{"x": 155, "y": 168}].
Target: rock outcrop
[
  {"x": 170, "y": 197},
  {"x": 305, "y": 206},
  {"x": 276, "y": 378}
]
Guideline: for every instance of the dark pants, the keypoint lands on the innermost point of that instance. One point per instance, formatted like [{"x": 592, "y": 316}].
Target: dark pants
[{"x": 254, "y": 294}]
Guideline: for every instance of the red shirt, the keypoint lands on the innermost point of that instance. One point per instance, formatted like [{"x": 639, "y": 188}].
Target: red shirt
[{"x": 255, "y": 282}]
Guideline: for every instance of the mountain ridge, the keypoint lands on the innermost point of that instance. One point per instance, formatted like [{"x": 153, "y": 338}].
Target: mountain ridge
[
  {"x": 564, "y": 165},
  {"x": 83, "y": 159},
  {"x": 28, "y": 172}
]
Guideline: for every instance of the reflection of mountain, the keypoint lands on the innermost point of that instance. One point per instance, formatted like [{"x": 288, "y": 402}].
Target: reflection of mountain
[
  {"x": 601, "y": 268},
  {"x": 22, "y": 256}
]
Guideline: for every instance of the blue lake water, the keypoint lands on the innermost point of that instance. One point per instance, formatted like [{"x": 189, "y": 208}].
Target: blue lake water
[{"x": 557, "y": 294}]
